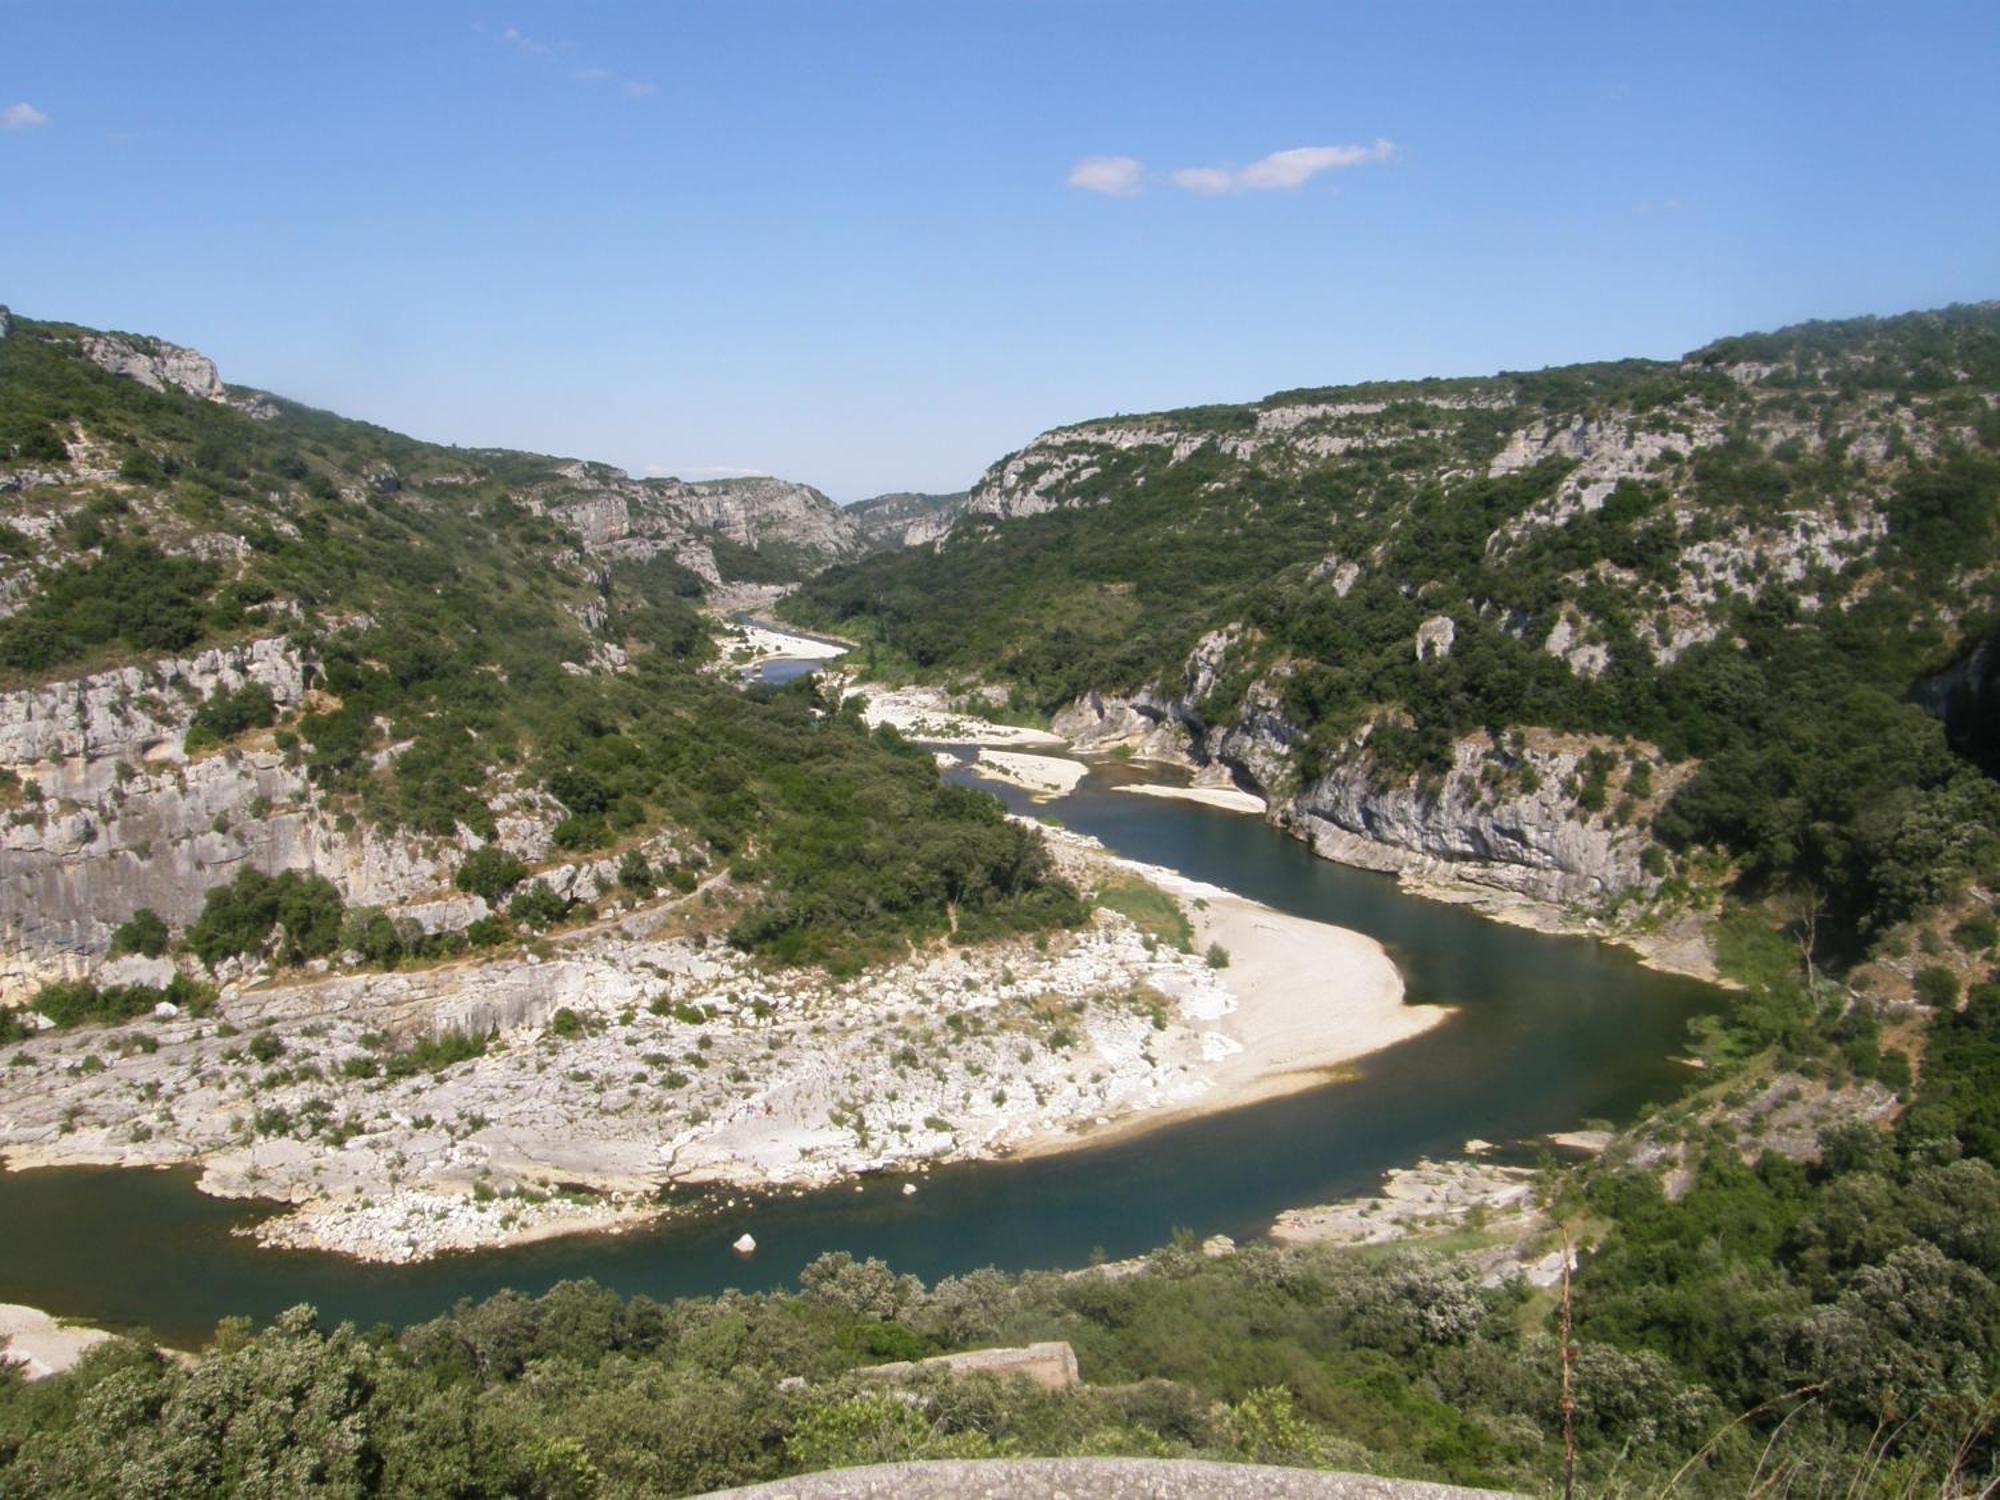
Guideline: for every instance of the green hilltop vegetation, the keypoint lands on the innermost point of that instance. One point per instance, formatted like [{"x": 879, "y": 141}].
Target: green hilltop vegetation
[
  {"x": 449, "y": 615},
  {"x": 1769, "y": 547}
]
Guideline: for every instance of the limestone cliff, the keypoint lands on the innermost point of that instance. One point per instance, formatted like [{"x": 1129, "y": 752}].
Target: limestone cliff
[
  {"x": 905, "y": 519},
  {"x": 121, "y": 816},
  {"x": 1514, "y": 816}
]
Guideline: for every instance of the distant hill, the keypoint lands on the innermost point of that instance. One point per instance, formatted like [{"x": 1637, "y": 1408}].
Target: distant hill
[{"x": 904, "y": 519}]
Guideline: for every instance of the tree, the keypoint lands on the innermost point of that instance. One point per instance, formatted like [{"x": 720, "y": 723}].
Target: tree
[
  {"x": 144, "y": 933},
  {"x": 490, "y": 872}
]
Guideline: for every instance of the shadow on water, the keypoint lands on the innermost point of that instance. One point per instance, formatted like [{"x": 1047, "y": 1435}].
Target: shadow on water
[{"x": 1549, "y": 1032}]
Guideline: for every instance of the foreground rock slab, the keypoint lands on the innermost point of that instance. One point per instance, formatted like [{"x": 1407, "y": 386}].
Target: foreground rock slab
[
  {"x": 1049, "y": 1366},
  {"x": 1090, "y": 1479}
]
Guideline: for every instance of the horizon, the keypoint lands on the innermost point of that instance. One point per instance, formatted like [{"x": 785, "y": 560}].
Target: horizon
[{"x": 568, "y": 234}]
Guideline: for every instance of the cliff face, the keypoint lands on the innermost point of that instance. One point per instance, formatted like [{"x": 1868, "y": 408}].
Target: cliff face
[
  {"x": 773, "y": 514},
  {"x": 793, "y": 526},
  {"x": 123, "y": 817},
  {"x": 905, "y": 519},
  {"x": 1509, "y": 816}
]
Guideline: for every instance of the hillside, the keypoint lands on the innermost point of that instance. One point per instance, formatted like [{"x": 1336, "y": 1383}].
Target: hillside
[
  {"x": 905, "y": 519},
  {"x": 1557, "y": 634},
  {"x": 238, "y": 634}
]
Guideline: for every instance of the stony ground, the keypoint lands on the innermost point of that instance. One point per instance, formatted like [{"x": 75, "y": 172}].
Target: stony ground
[
  {"x": 622, "y": 1058},
  {"x": 1488, "y": 1212}
]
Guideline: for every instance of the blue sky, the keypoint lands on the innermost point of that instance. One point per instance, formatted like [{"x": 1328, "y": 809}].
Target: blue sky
[{"x": 875, "y": 246}]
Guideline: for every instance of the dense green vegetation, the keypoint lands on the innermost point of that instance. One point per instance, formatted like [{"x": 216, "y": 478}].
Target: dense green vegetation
[{"x": 1818, "y": 771}]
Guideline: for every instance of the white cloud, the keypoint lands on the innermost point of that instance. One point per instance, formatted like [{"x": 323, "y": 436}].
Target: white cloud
[
  {"x": 513, "y": 38},
  {"x": 1281, "y": 171},
  {"x": 1118, "y": 176},
  {"x": 1208, "y": 182},
  {"x": 22, "y": 116},
  {"x": 543, "y": 52}
]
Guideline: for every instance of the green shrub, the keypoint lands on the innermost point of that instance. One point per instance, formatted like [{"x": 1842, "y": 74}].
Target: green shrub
[
  {"x": 143, "y": 933},
  {"x": 490, "y": 872},
  {"x": 225, "y": 715},
  {"x": 1937, "y": 987},
  {"x": 240, "y": 918}
]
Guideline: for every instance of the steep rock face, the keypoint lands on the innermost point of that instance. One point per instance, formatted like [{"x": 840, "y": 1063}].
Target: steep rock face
[
  {"x": 763, "y": 512},
  {"x": 619, "y": 517},
  {"x": 1534, "y": 843},
  {"x": 69, "y": 735},
  {"x": 123, "y": 818},
  {"x": 1146, "y": 724},
  {"x": 1505, "y": 816},
  {"x": 905, "y": 519},
  {"x": 157, "y": 365}
]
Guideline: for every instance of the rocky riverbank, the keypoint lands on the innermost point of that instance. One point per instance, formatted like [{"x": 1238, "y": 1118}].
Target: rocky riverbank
[
  {"x": 403, "y": 1114},
  {"x": 1488, "y": 1214}
]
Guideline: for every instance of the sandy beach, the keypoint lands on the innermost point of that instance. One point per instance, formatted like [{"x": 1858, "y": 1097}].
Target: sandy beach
[
  {"x": 39, "y": 1344},
  {"x": 1041, "y": 776},
  {"x": 766, "y": 644},
  {"x": 1227, "y": 797},
  {"x": 1307, "y": 998},
  {"x": 925, "y": 715}
]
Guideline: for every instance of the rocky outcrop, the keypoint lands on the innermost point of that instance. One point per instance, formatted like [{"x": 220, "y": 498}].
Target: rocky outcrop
[
  {"x": 70, "y": 735},
  {"x": 1505, "y": 816},
  {"x": 765, "y": 513},
  {"x": 156, "y": 364},
  {"x": 617, "y": 517},
  {"x": 1435, "y": 637},
  {"x": 905, "y": 519},
  {"x": 121, "y": 817}
]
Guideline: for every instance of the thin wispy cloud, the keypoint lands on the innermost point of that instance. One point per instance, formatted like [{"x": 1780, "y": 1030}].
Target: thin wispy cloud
[
  {"x": 1116, "y": 176},
  {"x": 1281, "y": 171},
  {"x": 22, "y": 116},
  {"x": 526, "y": 44},
  {"x": 557, "y": 56}
]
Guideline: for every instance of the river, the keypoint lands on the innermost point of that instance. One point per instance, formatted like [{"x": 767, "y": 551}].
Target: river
[{"x": 1549, "y": 1032}]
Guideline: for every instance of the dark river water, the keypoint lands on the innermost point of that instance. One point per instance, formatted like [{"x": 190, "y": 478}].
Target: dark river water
[{"x": 1549, "y": 1032}]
